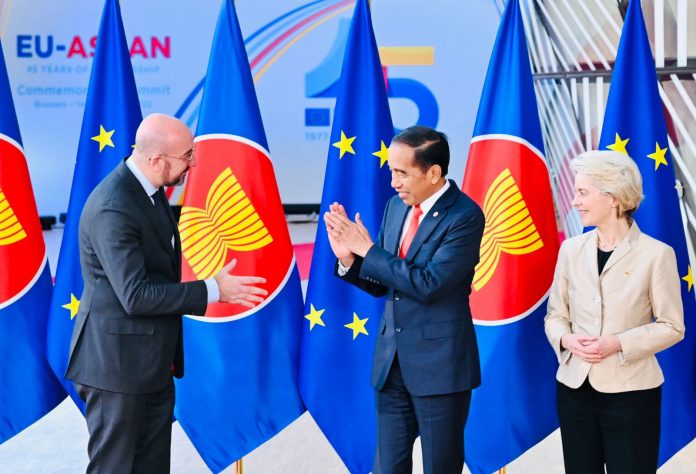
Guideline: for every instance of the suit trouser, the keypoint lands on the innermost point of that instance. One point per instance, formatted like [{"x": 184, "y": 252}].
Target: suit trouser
[
  {"x": 400, "y": 416},
  {"x": 128, "y": 433},
  {"x": 619, "y": 429}
]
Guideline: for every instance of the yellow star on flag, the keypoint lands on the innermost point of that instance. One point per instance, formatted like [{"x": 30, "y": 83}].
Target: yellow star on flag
[
  {"x": 104, "y": 138},
  {"x": 619, "y": 145},
  {"x": 382, "y": 154},
  {"x": 345, "y": 145},
  {"x": 314, "y": 317},
  {"x": 357, "y": 326},
  {"x": 659, "y": 156},
  {"x": 689, "y": 278},
  {"x": 73, "y": 306}
]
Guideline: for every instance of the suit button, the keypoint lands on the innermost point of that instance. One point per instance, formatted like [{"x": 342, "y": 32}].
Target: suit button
[
  {"x": 596, "y": 322},
  {"x": 397, "y": 298},
  {"x": 398, "y": 329}
]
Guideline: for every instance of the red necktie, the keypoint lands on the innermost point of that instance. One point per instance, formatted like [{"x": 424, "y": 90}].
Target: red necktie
[{"x": 411, "y": 232}]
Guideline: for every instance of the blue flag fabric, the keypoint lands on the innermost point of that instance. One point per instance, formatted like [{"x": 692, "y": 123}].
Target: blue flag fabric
[
  {"x": 634, "y": 123},
  {"x": 29, "y": 388},
  {"x": 514, "y": 408},
  {"x": 112, "y": 115},
  {"x": 240, "y": 387},
  {"x": 341, "y": 321}
]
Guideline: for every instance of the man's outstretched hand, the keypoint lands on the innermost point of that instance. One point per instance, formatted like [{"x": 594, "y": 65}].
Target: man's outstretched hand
[{"x": 237, "y": 289}]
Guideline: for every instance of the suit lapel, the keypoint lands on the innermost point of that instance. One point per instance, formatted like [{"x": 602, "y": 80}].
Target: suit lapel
[
  {"x": 623, "y": 248},
  {"x": 432, "y": 220},
  {"x": 177, "y": 239},
  {"x": 589, "y": 255},
  {"x": 154, "y": 217},
  {"x": 394, "y": 226}
]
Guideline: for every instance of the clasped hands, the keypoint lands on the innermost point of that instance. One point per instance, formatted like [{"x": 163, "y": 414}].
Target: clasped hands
[
  {"x": 237, "y": 289},
  {"x": 592, "y": 349},
  {"x": 347, "y": 238}
]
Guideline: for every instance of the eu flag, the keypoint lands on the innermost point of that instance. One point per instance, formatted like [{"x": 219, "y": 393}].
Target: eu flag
[
  {"x": 634, "y": 123},
  {"x": 112, "y": 115},
  {"x": 507, "y": 175},
  {"x": 241, "y": 381},
  {"x": 341, "y": 321},
  {"x": 28, "y": 387}
]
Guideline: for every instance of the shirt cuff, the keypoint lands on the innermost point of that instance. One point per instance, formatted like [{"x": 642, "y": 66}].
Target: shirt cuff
[
  {"x": 342, "y": 269},
  {"x": 213, "y": 290}
]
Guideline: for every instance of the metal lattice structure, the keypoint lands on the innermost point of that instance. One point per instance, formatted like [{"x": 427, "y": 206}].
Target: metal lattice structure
[{"x": 572, "y": 47}]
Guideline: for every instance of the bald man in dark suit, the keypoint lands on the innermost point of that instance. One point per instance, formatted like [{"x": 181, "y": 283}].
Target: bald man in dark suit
[{"x": 127, "y": 341}]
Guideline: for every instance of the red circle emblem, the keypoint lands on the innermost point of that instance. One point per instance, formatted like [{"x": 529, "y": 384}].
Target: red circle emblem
[
  {"x": 510, "y": 181},
  {"x": 22, "y": 248},
  {"x": 232, "y": 209}
]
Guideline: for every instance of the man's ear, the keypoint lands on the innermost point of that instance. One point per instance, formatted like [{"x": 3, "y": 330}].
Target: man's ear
[
  {"x": 435, "y": 173},
  {"x": 155, "y": 162}
]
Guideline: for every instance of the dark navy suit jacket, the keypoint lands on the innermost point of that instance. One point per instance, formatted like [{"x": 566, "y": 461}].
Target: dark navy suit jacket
[{"x": 426, "y": 319}]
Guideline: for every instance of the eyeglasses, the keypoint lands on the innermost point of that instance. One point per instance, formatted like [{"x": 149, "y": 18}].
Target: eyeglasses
[{"x": 186, "y": 157}]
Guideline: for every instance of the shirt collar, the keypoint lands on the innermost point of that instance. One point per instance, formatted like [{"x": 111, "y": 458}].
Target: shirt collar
[
  {"x": 428, "y": 203},
  {"x": 149, "y": 188}
]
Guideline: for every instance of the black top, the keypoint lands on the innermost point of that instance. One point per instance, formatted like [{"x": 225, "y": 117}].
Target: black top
[{"x": 602, "y": 258}]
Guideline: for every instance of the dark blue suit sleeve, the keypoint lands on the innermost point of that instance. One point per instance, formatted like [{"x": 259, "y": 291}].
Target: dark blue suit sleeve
[{"x": 353, "y": 275}]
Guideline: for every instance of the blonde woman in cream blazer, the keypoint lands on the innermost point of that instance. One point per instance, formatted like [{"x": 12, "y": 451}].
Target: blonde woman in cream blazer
[{"x": 615, "y": 302}]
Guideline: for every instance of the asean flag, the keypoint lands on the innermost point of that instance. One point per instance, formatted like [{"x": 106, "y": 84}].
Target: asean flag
[
  {"x": 241, "y": 382},
  {"x": 28, "y": 388},
  {"x": 22, "y": 248},
  {"x": 232, "y": 209},
  {"x": 506, "y": 174},
  {"x": 508, "y": 178}
]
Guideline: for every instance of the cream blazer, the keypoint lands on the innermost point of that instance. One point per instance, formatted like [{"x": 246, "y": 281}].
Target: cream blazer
[{"x": 637, "y": 297}]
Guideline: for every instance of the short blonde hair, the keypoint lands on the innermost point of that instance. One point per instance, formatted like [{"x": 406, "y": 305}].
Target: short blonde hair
[{"x": 613, "y": 173}]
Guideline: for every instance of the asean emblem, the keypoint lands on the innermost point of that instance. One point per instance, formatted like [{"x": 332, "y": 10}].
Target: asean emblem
[
  {"x": 228, "y": 222},
  {"x": 509, "y": 227},
  {"x": 22, "y": 248},
  {"x": 232, "y": 209},
  {"x": 509, "y": 179}
]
